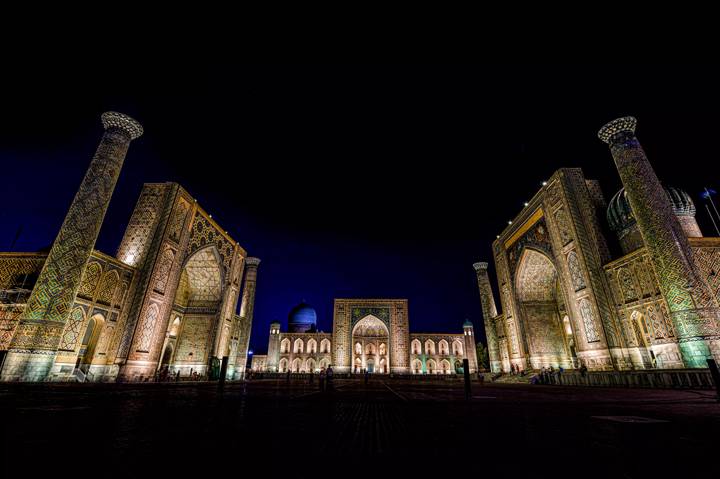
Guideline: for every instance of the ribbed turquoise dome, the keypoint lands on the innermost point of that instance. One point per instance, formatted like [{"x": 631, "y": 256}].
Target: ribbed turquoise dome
[
  {"x": 620, "y": 215},
  {"x": 302, "y": 318}
]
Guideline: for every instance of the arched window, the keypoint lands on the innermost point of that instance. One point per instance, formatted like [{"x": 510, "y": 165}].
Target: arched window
[
  {"x": 445, "y": 366},
  {"x": 415, "y": 347},
  {"x": 283, "y": 364},
  {"x": 285, "y": 346},
  {"x": 325, "y": 346},
  {"x": 312, "y": 346},
  {"x": 296, "y": 365},
  {"x": 358, "y": 348},
  {"x": 417, "y": 366},
  {"x": 175, "y": 327},
  {"x": 370, "y": 348},
  {"x": 310, "y": 365},
  {"x": 431, "y": 366},
  {"x": 457, "y": 348},
  {"x": 429, "y": 347},
  {"x": 298, "y": 346},
  {"x": 443, "y": 347},
  {"x": 382, "y": 350}
]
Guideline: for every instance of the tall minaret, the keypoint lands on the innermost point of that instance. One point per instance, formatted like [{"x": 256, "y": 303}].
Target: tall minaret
[
  {"x": 247, "y": 308},
  {"x": 273, "y": 355},
  {"x": 489, "y": 311},
  {"x": 693, "y": 307},
  {"x": 470, "y": 346},
  {"x": 34, "y": 345}
]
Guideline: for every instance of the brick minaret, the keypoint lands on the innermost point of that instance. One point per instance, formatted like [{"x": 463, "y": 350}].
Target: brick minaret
[
  {"x": 33, "y": 347},
  {"x": 470, "y": 346},
  {"x": 693, "y": 308},
  {"x": 273, "y": 355},
  {"x": 247, "y": 307},
  {"x": 489, "y": 311}
]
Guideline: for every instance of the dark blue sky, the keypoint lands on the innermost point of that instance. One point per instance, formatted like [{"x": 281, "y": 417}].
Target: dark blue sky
[{"x": 351, "y": 180}]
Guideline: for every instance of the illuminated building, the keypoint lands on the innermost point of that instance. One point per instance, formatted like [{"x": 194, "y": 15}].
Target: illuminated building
[
  {"x": 166, "y": 302},
  {"x": 566, "y": 301},
  {"x": 368, "y": 334}
]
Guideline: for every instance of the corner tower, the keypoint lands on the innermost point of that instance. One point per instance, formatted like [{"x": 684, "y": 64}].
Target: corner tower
[
  {"x": 34, "y": 345},
  {"x": 489, "y": 310},
  {"x": 273, "y": 356},
  {"x": 693, "y": 307},
  {"x": 470, "y": 345}
]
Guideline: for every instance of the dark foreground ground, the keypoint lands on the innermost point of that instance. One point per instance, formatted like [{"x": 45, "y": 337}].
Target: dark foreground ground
[{"x": 417, "y": 429}]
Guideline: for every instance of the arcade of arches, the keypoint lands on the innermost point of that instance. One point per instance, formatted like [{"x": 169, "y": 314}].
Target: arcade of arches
[{"x": 369, "y": 335}]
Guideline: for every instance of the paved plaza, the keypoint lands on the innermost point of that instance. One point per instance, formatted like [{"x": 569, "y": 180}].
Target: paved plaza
[{"x": 422, "y": 428}]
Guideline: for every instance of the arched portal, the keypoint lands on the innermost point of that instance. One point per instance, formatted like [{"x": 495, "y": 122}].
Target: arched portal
[
  {"x": 199, "y": 294},
  {"x": 89, "y": 341},
  {"x": 167, "y": 356},
  {"x": 368, "y": 335},
  {"x": 542, "y": 306}
]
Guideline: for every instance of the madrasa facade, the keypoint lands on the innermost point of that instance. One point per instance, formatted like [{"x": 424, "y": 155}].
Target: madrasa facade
[
  {"x": 177, "y": 297},
  {"x": 568, "y": 302},
  {"x": 370, "y": 335}
]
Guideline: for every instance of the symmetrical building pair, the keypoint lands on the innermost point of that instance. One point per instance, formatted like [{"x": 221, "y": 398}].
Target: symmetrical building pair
[
  {"x": 566, "y": 301},
  {"x": 168, "y": 301}
]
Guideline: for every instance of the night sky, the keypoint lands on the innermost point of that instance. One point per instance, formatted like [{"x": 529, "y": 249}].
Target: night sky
[{"x": 347, "y": 181}]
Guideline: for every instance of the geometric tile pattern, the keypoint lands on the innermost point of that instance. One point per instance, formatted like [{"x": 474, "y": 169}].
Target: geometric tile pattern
[
  {"x": 681, "y": 283},
  {"x": 536, "y": 277},
  {"x": 204, "y": 233},
  {"x": 90, "y": 280},
  {"x": 162, "y": 273},
  {"x": 586, "y": 312},
  {"x": 146, "y": 328},
  {"x": 108, "y": 287},
  {"x": 204, "y": 276},
  {"x": 142, "y": 223},
  {"x": 59, "y": 280},
  {"x": 575, "y": 271},
  {"x": 72, "y": 329},
  {"x": 178, "y": 220}
]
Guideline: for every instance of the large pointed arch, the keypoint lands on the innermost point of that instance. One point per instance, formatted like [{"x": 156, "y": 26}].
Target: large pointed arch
[{"x": 541, "y": 300}]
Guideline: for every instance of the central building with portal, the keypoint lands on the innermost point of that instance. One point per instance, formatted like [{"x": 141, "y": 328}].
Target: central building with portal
[{"x": 368, "y": 335}]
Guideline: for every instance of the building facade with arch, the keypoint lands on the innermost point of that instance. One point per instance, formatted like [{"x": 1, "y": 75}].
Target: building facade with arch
[
  {"x": 368, "y": 335},
  {"x": 567, "y": 301},
  {"x": 169, "y": 300}
]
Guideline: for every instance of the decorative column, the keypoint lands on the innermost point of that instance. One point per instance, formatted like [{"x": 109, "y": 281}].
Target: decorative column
[
  {"x": 247, "y": 307},
  {"x": 489, "y": 311},
  {"x": 273, "y": 355},
  {"x": 470, "y": 346},
  {"x": 34, "y": 345},
  {"x": 693, "y": 307}
]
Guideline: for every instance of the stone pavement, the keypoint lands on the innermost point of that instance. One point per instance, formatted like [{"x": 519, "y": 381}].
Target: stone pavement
[{"x": 422, "y": 428}]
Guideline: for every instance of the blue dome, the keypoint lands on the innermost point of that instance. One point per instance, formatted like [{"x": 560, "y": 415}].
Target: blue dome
[
  {"x": 620, "y": 215},
  {"x": 302, "y": 318}
]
